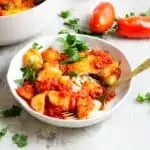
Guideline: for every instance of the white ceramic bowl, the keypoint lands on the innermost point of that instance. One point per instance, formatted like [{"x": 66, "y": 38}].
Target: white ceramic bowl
[
  {"x": 14, "y": 73},
  {"x": 20, "y": 26}
]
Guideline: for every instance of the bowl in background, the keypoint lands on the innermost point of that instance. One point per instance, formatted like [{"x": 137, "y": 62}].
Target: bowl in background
[{"x": 23, "y": 25}]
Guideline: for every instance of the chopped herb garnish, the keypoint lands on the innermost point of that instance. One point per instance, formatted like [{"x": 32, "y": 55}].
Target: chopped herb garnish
[
  {"x": 36, "y": 46},
  {"x": 12, "y": 112},
  {"x": 29, "y": 73},
  {"x": 73, "y": 24},
  {"x": 19, "y": 82},
  {"x": 63, "y": 31},
  {"x": 20, "y": 140},
  {"x": 65, "y": 14},
  {"x": 3, "y": 132},
  {"x": 143, "y": 98},
  {"x": 72, "y": 47},
  {"x": 72, "y": 74},
  {"x": 131, "y": 14},
  {"x": 147, "y": 13}
]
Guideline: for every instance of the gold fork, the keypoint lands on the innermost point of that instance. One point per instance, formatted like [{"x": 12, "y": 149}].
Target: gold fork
[{"x": 145, "y": 65}]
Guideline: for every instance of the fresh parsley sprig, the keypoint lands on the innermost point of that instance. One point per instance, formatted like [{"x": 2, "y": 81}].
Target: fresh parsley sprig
[
  {"x": 141, "y": 98},
  {"x": 72, "y": 47},
  {"x": 3, "y": 132},
  {"x": 65, "y": 14},
  {"x": 12, "y": 112},
  {"x": 36, "y": 46},
  {"x": 20, "y": 140}
]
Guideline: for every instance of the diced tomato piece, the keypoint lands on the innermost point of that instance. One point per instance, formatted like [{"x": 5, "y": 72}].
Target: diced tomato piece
[{"x": 27, "y": 91}]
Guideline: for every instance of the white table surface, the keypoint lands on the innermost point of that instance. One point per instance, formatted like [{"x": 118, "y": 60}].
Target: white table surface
[{"x": 129, "y": 126}]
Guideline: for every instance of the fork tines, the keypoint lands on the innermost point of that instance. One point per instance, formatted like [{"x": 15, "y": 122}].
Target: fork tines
[{"x": 69, "y": 115}]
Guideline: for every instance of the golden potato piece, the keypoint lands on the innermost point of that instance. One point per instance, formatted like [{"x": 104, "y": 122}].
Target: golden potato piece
[
  {"x": 84, "y": 66},
  {"x": 49, "y": 73},
  {"x": 38, "y": 102},
  {"x": 106, "y": 72},
  {"x": 33, "y": 58},
  {"x": 111, "y": 80},
  {"x": 84, "y": 107},
  {"x": 60, "y": 99},
  {"x": 50, "y": 55}
]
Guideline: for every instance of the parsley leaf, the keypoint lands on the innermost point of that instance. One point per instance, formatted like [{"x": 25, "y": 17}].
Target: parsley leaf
[
  {"x": 72, "y": 74},
  {"x": 63, "y": 31},
  {"x": 147, "y": 13},
  {"x": 143, "y": 98},
  {"x": 36, "y": 46},
  {"x": 65, "y": 14},
  {"x": 20, "y": 140},
  {"x": 73, "y": 24},
  {"x": 12, "y": 112},
  {"x": 3, "y": 132},
  {"x": 131, "y": 14},
  {"x": 19, "y": 82},
  {"x": 72, "y": 47},
  {"x": 29, "y": 73}
]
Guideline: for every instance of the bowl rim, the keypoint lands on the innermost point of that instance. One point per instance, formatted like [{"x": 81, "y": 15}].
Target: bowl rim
[
  {"x": 23, "y": 12},
  {"x": 34, "y": 113}
]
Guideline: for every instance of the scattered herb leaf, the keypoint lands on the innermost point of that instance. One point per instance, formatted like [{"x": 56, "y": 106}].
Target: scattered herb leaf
[
  {"x": 131, "y": 14},
  {"x": 63, "y": 31},
  {"x": 20, "y": 140},
  {"x": 12, "y": 112},
  {"x": 146, "y": 13},
  {"x": 72, "y": 47},
  {"x": 36, "y": 46},
  {"x": 29, "y": 73},
  {"x": 3, "y": 132},
  {"x": 141, "y": 98},
  {"x": 65, "y": 14},
  {"x": 72, "y": 74},
  {"x": 19, "y": 82}
]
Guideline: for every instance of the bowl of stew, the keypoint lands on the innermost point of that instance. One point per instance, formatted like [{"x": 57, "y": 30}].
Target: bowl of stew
[
  {"x": 62, "y": 80},
  {"x": 21, "y": 19}
]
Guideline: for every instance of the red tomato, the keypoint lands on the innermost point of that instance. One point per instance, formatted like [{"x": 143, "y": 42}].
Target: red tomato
[
  {"x": 134, "y": 27},
  {"x": 102, "y": 18}
]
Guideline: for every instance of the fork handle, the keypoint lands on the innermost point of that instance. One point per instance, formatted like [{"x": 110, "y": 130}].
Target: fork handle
[{"x": 142, "y": 67}]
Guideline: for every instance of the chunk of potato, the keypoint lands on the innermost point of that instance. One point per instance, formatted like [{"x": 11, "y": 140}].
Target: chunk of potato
[
  {"x": 111, "y": 80},
  {"x": 106, "y": 72},
  {"x": 60, "y": 99},
  {"x": 65, "y": 82},
  {"x": 33, "y": 58},
  {"x": 49, "y": 73},
  {"x": 26, "y": 91},
  {"x": 84, "y": 66},
  {"x": 38, "y": 102},
  {"x": 50, "y": 55},
  {"x": 84, "y": 107}
]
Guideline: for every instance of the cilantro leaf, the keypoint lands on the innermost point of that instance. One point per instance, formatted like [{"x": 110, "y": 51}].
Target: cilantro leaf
[
  {"x": 143, "y": 98},
  {"x": 73, "y": 24},
  {"x": 140, "y": 98},
  {"x": 20, "y": 140},
  {"x": 3, "y": 132},
  {"x": 131, "y": 14},
  {"x": 29, "y": 73},
  {"x": 19, "y": 82},
  {"x": 12, "y": 112},
  {"x": 146, "y": 13},
  {"x": 65, "y": 14},
  {"x": 36, "y": 46},
  {"x": 63, "y": 31},
  {"x": 72, "y": 74}
]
